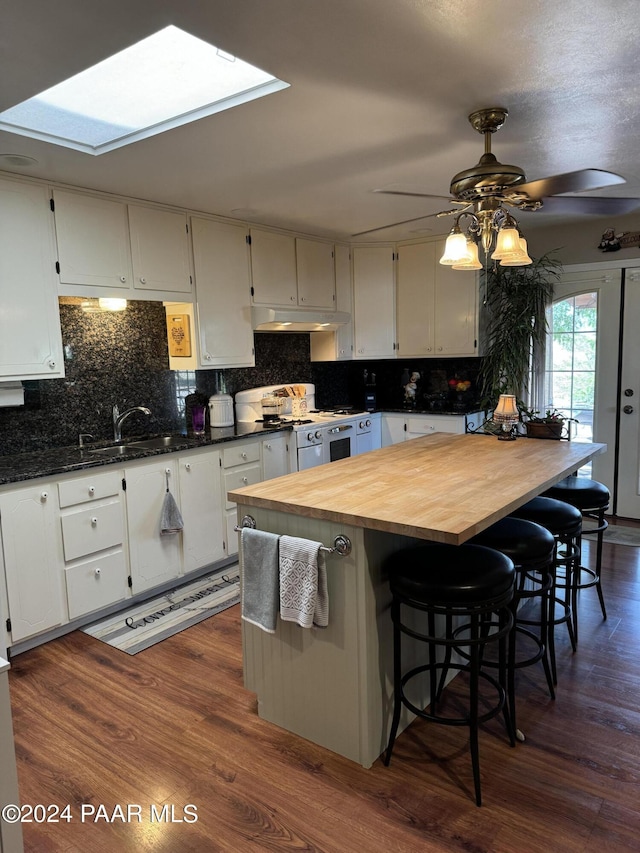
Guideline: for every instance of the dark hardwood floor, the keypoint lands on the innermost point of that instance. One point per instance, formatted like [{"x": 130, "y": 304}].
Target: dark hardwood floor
[{"x": 173, "y": 725}]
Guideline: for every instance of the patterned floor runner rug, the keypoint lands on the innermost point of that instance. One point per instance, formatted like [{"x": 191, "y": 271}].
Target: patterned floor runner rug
[
  {"x": 616, "y": 534},
  {"x": 145, "y": 624}
]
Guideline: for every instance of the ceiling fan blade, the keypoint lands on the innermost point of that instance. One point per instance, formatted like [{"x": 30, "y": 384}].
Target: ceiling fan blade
[
  {"x": 570, "y": 182},
  {"x": 410, "y": 193},
  {"x": 590, "y": 205},
  {"x": 393, "y": 224}
]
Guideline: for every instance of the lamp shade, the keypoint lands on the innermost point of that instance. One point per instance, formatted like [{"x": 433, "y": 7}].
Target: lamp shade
[
  {"x": 508, "y": 243},
  {"x": 473, "y": 262},
  {"x": 517, "y": 259},
  {"x": 506, "y": 410},
  {"x": 455, "y": 249}
]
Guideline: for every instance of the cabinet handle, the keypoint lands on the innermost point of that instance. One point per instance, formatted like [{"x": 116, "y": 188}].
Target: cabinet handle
[
  {"x": 292, "y": 298},
  {"x": 143, "y": 280},
  {"x": 94, "y": 521},
  {"x": 268, "y": 446},
  {"x": 44, "y": 496},
  {"x": 98, "y": 572},
  {"x": 51, "y": 364},
  {"x": 439, "y": 349},
  {"x": 187, "y": 466},
  {"x": 92, "y": 490},
  {"x": 207, "y": 356},
  {"x": 244, "y": 455},
  {"x": 245, "y": 479},
  {"x": 167, "y": 471},
  {"x": 123, "y": 278}
]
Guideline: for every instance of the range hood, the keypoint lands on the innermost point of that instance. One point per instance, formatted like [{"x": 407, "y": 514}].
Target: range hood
[{"x": 297, "y": 319}]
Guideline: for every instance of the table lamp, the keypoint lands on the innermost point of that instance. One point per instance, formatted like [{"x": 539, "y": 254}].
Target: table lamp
[{"x": 506, "y": 413}]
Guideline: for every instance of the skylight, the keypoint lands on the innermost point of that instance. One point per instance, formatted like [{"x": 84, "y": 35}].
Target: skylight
[{"x": 169, "y": 79}]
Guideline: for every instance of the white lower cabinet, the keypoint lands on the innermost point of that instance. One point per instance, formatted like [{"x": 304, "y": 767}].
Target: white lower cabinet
[
  {"x": 397, "y": 427},
  {"x": 31, "y": 549},
  {"x": 200, "y": 491},
  {"x": 154, "y": 559},
  {"x": 275, "y": 457},
  {"x": 240, "y": 467}
]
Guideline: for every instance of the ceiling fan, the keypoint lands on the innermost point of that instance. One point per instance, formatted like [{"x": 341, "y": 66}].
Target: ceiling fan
[{"x": 485, "y": 190}]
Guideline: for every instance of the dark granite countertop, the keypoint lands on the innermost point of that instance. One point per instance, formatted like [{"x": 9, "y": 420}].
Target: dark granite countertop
[
  {"x": 411, "y": 410},
  {"x": 63, "y": 460}
]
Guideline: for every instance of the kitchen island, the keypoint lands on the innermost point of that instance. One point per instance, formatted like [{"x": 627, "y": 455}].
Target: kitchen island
[{"x": 334, "y": 685}]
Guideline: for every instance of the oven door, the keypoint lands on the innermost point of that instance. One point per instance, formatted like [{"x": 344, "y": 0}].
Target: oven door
[
  {"x": 310, "y": 457},
  {"x": 340, "y": 441}
]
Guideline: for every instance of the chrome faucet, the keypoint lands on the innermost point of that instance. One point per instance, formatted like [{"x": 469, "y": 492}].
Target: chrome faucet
[{"x": 119, "y": 418}]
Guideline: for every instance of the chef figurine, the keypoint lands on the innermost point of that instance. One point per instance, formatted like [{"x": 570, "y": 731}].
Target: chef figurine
[{"x": 411, "y": 387}]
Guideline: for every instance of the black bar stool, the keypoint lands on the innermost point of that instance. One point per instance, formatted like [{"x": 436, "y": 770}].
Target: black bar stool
[
  {"x": 531, "y": 547},
  {"x": 564, "y": 522},
  {"x": 592, "y": 499},
  {"x": 465, "y": 592}
]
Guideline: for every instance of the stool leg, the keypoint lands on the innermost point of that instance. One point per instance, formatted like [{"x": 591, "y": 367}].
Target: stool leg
[
  {"x": 397, "y": 678},
  {"x": 546, "y": 579},
  {"x": 507, "y": 669},
  {"x": 474, "y": 669},
  {"x": 601, "y": 524}
]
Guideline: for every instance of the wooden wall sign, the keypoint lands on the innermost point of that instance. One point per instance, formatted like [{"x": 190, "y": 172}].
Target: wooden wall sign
[{"x": 179, "y": 335}]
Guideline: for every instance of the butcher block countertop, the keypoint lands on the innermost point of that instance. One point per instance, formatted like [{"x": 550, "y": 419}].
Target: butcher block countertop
[{"x": 441, "y": 487}]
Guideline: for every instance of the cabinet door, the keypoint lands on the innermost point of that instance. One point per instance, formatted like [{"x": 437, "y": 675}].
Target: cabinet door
[
  {"x": 201, "y": 507},
  {"x": 32, "y": 558},
  {"x": 93, "y": 241},
  {"x": 154, "y": 559},
  {"x": 373, "y": 292},
  {"x": 223, "y": 294},
  {"x": 415, "y": 288},
  {"x": 275, "y": 458},
  {"x": 273, "y": 268},
  {"x": 30, "y": 339},
  {"x": 456, "y": 298},
  {"x": 393, "y": 429},
  {"x": 159, "y": 249},
  {"x": 338, "y": 345},
  {"x": 316, "y": 274}
]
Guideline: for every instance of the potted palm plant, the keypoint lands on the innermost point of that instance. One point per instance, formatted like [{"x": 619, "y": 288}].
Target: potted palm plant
[{"x": 515, "y": 302}]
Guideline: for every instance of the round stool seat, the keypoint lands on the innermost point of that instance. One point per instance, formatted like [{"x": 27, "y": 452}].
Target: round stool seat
[
  {"x": 450, "y": 574},
  {"x": 556, "y": 515},
  {"x": 521, "y": 540},
  {"x": 580, "y": 493}
]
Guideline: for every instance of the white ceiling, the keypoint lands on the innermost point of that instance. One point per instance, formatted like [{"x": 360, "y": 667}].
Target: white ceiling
[{"x": 380, "y": 93}]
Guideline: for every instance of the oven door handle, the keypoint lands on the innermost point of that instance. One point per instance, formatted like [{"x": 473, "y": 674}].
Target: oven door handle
[{"x": 341, "y": 428}]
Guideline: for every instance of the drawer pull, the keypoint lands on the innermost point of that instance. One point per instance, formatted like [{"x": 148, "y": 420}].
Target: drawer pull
[
  {"x": 245, "y": 479},
  {"x": 98, "y": 572},
  {"x": 244, "y": 455},
  {"x": 94, "y": 521},
  {"x": 92, "y": 490}
]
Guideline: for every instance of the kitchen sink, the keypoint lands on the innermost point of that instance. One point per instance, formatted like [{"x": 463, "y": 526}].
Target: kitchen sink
[
  {"x": 161, "y": 442},
  {"x": 117, "y": 450}
]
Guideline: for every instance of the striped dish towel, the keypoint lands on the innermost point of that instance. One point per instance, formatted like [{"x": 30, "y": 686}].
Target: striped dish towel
[{"x": 303, "y": 583}]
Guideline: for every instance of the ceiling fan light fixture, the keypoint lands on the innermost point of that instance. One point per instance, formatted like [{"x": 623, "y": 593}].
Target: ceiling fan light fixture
[
  {"x": 456, "y": 249},
  {"x": 517, "y": 259},
  {"x": 507, "y": 243}
]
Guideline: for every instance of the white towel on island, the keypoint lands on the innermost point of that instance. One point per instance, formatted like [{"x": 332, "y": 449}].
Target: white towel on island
[
  {"x": 259, "y": 579},
  {"x": 303, "y": 583}
]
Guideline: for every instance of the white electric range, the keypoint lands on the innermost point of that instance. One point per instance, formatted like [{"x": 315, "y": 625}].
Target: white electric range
[{"x": 320, "y": 436}]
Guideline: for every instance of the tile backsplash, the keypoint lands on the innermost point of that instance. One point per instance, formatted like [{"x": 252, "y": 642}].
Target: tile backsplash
[{"x": 122, "y": 358}]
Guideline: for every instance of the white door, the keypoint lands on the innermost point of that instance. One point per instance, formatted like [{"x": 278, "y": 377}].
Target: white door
[{"x": 628, "y": 480}]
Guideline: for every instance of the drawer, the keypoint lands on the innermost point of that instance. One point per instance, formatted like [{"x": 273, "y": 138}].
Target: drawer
[
  {"x": 244, "y": 475},
  {"x": 240, "y": 454},
  {"x": 96, "y": 583},
  {"x": 442, "y": 423},
  {"x": 92, "y": 488},
  {"x": 92, "y": 529}
]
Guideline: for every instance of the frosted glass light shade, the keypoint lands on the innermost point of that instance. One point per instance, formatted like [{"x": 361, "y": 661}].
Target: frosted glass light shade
[
  {"x": 473, "y": 262},
  {"x": 455, "y": 249},
  {"x": 517, "y": 259},
  {"x": 508, "y": 243}
]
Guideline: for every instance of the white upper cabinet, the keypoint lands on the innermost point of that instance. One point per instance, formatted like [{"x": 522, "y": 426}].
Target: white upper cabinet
[
  {"x": 273, "y": 268},
  {"x": 136, "y": 252},
  {"x": 31, "y": 342},
  {"x": 338, "y": 345},
  {"x": 223, "y": 294},
  {"x": 373, "y": 302},
  {"x": 159, "y": 249},
  {"x": 316, "y": 274},
  {"x": 93, "y": 241},
  {"x": 436, "y": 307}
]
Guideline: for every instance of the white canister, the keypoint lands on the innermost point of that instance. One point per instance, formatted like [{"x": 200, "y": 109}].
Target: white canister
[{"x": 221, "y": 410}]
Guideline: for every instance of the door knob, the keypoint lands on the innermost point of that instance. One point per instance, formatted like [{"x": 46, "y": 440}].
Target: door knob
[{"x": 627, "y": 410}]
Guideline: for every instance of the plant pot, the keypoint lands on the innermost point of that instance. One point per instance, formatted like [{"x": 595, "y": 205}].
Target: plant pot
[{"x": 544, "y": 430}]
